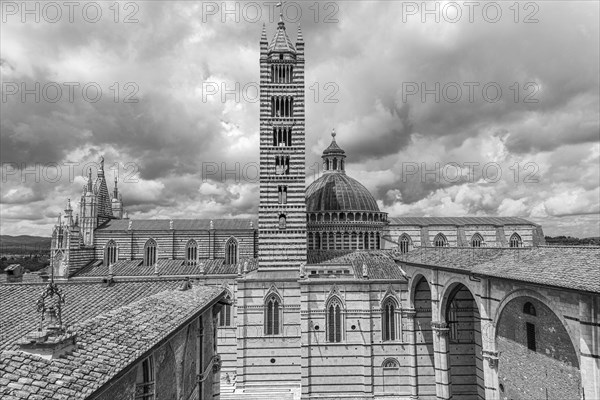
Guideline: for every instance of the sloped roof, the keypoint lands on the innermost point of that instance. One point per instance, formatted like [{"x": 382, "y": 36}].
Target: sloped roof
[
  {"x": 380, "y": 263},
  {"x": 165, "y": 268},
  {"x": 281, "y": 42},
  {"x": 574, "y": 267},
  {"x": 84, "y": 300},
  {"x": 458, "y": 221},
  {"x": 106, "y": 345},
  {"x": 178, "y": 224}
]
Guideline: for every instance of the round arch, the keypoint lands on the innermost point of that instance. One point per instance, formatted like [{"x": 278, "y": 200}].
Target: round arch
[
  {"x": 542, "y": 299},
  {"x": 449, "y": 288},
  {"x": 411, "y": 288}
]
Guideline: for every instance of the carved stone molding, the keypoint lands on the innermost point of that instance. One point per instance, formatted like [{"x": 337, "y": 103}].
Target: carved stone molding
[
  {"x": 441, "y": 328},
  {"x": 492, "y": 358}
]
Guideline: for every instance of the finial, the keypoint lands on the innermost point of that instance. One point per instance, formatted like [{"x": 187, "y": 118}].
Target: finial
[
  {"x": 299, "y": 38},
  {"x": 59, "y": 219},
  {"x": 333, "y": 133},
  {"x": 69, "y": 208},
  {"x": 102, "y": 163},
  {"x": 280, "y": 5},
  {"x": 212, "y": 225}
]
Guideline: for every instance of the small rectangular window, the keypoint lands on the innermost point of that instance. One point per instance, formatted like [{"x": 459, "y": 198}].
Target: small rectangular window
[{"x": 530, "y": 336}]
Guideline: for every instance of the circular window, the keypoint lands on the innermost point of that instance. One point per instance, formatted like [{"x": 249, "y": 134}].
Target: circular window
[
  {"x": 316, "y": 327},
  {"x": 353, "y": 327},
  {"x": 272, "y": 361}
]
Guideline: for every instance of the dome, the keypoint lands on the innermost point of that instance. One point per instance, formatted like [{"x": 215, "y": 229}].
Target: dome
[{"x": 338, "y": 192}]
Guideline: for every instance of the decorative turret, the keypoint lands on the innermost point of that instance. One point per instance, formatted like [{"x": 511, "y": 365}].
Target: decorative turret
[
  {"x": 334, "y": 157},
  {"x": 69, "y": 214},
  {"x": 117, "y": 202}
]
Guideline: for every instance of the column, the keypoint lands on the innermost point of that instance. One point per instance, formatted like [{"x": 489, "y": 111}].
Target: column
[
  {"x": 490, "y": 374},
  {"x": 442, "y": 367},
  {"x": 409, "y": 315}
]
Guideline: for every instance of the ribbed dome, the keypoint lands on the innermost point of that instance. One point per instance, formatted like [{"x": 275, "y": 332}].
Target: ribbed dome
[{"x": 338, "y": 192}]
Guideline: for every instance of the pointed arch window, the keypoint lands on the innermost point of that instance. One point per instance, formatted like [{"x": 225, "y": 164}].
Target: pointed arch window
[
  {"x": 191, "y": 252},
  {"x": 150, "y": 252},
  {"x": 452, "y": 320},
  {"x": 440, "y": 240},
  {"x": 388, "y": 320},
  {"x": 334, "y": 320},
  {"x": 404, "y": 243},
  {"x": 515, "y": 240},
  {"x": 272, "y": 315},
  {"x": 110, "y": 253},
  {"x": 231, "y": 251},
  {"x": 282, "y": 221},
  {"x": 476, "y": 240}
]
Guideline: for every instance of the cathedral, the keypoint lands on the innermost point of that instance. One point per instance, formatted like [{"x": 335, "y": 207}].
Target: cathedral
[{"x": 329, "y": 297}]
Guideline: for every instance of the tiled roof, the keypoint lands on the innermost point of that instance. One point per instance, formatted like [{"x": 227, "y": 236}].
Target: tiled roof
[
  {"x": 106, "y": 345},
  {"x": 338, "y": 192},
  {"x": 178, "y": 224},
  {"x": 84, "y": 300},
  {"x": 380, "y": 263},
  {"x": 165, "y": 267},
  {"x": 561, "y": 266},
  {"x": 458, "y": 221},
  {"x": 281, "y": 41},
  {"x": 29, "y": 277}
]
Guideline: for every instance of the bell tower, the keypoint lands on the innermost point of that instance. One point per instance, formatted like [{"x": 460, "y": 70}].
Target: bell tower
[{"x": 282, "y": 208}]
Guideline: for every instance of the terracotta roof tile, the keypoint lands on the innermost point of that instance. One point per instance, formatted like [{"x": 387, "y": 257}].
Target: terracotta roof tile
[
  {"x": 84, "y": 300},
  {"x": 106, "y": 344},
  {"x": 178, "y": 224},
  {"x": 458, "y": 221},
  {"x": 562, "y": 266},
  {"x": 165, "y": 268},
  {"x": 380, "y": 263}
]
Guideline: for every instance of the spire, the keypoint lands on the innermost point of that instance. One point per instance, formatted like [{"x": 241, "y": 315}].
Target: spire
[
  {"x": 89, "y": 182},
  {"x": 101, "y": 169},
  {"x": 299, "y": 38},
  {"x": 115, "y": 190},
  {"x": 281, "y": 42},
  {"x": 263, "y": 35}
]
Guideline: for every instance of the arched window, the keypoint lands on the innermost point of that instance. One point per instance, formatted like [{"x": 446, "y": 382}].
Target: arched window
[
  {"x": 191, "y": 252},
  {"x": 225, "y": 314},
  {"x": 515, "y": 240},
  {"x": 282, "y": 221},
  {"x": 440, "y": 240},
  {"x": 110, "y": 253},
  {"x": 390, "y": 363},
  {"x": 476, "y": 240},
  {"x": 388, "y": 320},
  {"x": 334, "y": 320},
  {"x": 528, "y": 308},
  {"x": 231, "y": 251},
  {"x": 150, "y": 252},
  {"x": 404, "y": 243},
  {"x": 144, "y": 382},
  {"x": 272, "y": 315}
]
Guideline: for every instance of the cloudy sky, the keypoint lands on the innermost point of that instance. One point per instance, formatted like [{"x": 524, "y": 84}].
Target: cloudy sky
[{"x": 514, "y": 130}]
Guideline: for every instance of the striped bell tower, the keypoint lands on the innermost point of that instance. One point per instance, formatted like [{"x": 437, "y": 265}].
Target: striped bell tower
[{"x": 282, "y": 208}]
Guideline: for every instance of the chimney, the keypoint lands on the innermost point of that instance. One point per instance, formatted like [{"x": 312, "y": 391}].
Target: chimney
[{"x": 51, "y": 340}]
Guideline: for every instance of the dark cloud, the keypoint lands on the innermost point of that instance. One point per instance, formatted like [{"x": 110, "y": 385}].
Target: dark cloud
[{"x": 357, "y": 66}]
